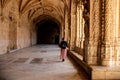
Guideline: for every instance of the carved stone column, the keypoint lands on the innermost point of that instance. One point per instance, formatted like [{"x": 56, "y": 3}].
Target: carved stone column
[
  {"x": 94, "y": 34},
  {"x": 66, "y": 24},
  {"x": 73, "y": 24},
  {"x": 110, "y": 23},
  {"x": 118, "y": 38}
]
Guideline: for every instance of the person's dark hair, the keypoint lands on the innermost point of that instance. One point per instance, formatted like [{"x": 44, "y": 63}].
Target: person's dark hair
[{"x": 62, "y": 38}]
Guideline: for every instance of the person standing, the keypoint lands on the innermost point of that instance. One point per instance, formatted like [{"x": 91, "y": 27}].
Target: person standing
[{"x": 63, "y": 46}]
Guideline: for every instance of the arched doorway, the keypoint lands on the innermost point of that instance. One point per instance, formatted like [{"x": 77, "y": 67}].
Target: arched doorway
[{"x": 48, "y": 32}]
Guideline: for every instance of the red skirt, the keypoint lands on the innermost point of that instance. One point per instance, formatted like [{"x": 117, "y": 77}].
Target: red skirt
[{"x": 63, "y": 53}]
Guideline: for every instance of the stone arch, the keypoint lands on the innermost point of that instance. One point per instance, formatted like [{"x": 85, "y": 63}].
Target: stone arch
[{"x": 47, "y": 29}]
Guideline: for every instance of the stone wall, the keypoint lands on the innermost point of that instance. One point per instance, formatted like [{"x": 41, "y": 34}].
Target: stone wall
[
  {"x": 8, "y": 24},
  {"x": 23, "y": 32},
  {"x": 15, "y": 30}
]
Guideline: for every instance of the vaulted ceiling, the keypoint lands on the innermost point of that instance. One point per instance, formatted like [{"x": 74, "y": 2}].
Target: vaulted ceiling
[{"x": 36, "y": 8}]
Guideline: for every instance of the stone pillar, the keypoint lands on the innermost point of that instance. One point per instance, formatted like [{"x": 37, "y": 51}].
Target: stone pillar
[
  {"x": 118, "y": 38},
  {"x": 66, "y": 25},
  {"x": 69, "y": 23},
  {"x": 91, "y": 54},
  {"x": 78, "y": 26},
  {"x": 73, "y": 24},
  {"x": 109, "y": 48},
  {"x": 62, "y": 30}
]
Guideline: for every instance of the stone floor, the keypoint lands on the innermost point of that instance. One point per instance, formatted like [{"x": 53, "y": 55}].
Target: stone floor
[{"x": 40, "y": 62}]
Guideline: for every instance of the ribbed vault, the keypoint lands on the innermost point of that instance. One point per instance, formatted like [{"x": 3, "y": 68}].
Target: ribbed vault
[{"x": 35, "y": 8}]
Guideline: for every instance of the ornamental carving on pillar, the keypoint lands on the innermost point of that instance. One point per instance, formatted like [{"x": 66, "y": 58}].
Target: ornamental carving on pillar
[{"x": 86, "y": 13}]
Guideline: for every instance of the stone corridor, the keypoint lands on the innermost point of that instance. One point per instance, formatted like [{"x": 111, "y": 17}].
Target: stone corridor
[{"x": 39, "y": 62}]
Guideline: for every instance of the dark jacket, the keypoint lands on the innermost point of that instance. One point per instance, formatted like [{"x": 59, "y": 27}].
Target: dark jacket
[{"x": 63, "y": 44}]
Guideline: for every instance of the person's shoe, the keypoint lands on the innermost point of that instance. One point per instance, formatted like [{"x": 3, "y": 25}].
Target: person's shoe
[{"x": 63, "y": 60}]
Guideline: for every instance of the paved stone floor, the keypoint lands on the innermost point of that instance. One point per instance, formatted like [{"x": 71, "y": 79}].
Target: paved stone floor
[{"x": 40, "y": 62}]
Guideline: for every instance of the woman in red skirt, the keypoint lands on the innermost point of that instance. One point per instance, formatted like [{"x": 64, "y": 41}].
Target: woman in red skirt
[{"x": 63, "y": 46}]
